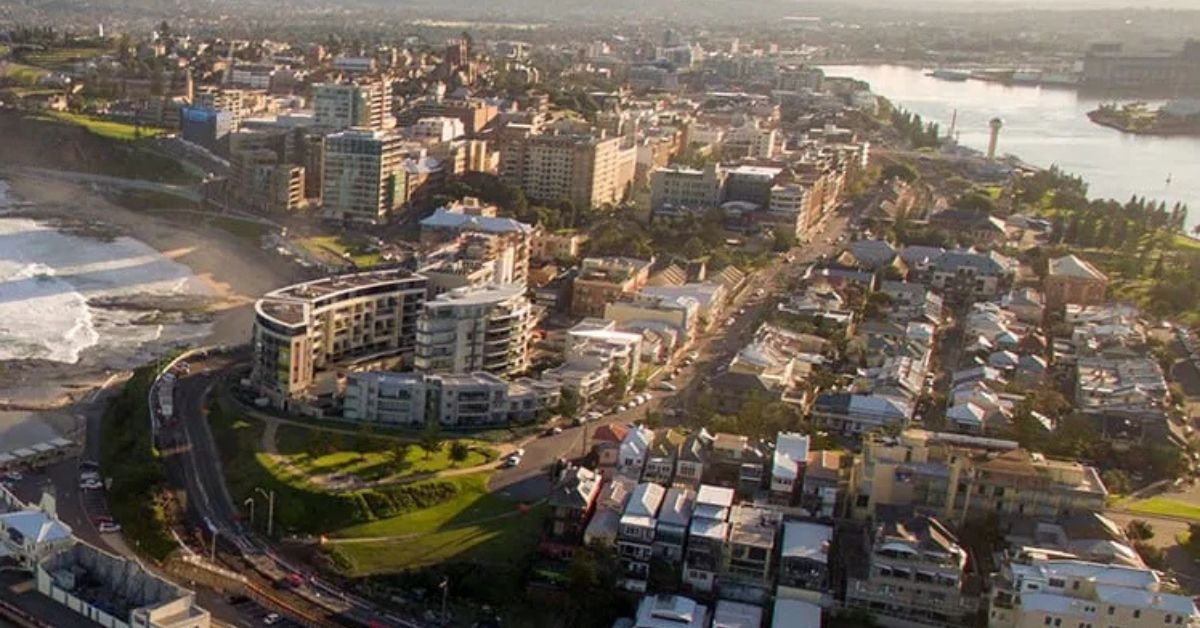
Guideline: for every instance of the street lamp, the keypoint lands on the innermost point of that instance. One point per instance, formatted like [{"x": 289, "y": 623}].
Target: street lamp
[
  {"x": 270, "y": 509},
  {"x": 250, "y": 502}
]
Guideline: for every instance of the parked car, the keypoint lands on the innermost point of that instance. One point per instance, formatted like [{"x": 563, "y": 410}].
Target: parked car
[
  {"x": 91, "y": 485},
  {"x": 108, "y": 527},
  {"x": 14, "y": 475},
  {"x": 272, "y": 619},
  {"x": 668, "y": 386},
  {"x": 511, "y": 461}
]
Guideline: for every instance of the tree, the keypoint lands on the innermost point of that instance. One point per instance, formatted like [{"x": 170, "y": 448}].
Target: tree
[
  {"x": 1116, "y": 481},
  {"x": 400, "y": 451},
  {"x": 459, "y": 451},
  {"x": 618, "y": 382},
  {"x": 569, "y": 402},
  {"x": 784, "y": 241},
  {"x": 899, "y": 171},
  {"x": 363, "y": 437},
  {"x": 1139, "y": 530},
  {"x": 431, "y": 439}
]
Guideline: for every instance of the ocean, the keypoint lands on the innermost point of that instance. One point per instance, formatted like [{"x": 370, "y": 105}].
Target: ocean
[{"x": 65, "y": 294}]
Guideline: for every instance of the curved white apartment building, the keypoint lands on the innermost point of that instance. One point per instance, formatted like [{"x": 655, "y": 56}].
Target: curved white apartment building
[{"x": 360, "y": 319}]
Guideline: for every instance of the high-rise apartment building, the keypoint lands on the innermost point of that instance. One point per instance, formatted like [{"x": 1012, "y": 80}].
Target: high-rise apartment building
[
  {"x": 361, "y": 172},
  {"x": 476, "y": 329},
  {"x": 362, "y": 319},
  {"x": 338, "y": 106},
  {"x": 583, "y": 169}
]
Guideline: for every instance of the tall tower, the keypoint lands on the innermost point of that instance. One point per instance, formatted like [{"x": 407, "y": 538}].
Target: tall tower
[{"x": 995, "y": 124}]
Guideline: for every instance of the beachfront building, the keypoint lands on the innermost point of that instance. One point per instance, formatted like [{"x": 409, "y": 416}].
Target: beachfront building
[
  {"x": 355, "y": 321},
  {"x": 464, "y": 400},
  {"x": 476, "y": 329}
]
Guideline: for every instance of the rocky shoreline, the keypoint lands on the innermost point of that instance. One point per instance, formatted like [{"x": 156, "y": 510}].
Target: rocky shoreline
[{"x": 1157, "y": 127}]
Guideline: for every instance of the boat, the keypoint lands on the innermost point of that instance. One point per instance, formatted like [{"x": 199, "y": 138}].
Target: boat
[{"x": 950, "y": 75}]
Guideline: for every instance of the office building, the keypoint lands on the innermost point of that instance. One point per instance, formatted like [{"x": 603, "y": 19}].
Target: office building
[
  {"x": 678, "y": 189},
  {"x": 346, "y": 321},
  {"x": 583, "y": 170},
  {"x": 363, "y": 174},
  {"x": 476, "y": 329},
  {"x": 464, "y": 400},
  {"x": 340, "y": 106}
]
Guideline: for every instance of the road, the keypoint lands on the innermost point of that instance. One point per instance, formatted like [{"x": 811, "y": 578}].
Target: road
[
  {"x": 531, "y": 481},
  {"x": 193, "y": 463}
]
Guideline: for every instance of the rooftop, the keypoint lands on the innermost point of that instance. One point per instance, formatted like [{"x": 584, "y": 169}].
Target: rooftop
[
  {"x": 1072, "y": 266},
  {"x": 806, "y": 540}
]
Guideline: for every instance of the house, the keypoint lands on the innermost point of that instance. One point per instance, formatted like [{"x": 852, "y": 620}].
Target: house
[
  {"x": 871, "y": 255},
  {"x": 968, "y": 275},
  {"x": 692, "y": 459},
  {"x": 822, "y": 483},
  {"x": 751, "y": 546},
  {"x": 670, "y": 611},
  {"x": 1028, "y": 304},
  {"x": 31, "y": 535},
  {"x": 792, "y": 613},
  {"x": 853, "y": 413},
  {"x": 602, "y": 530},
  {"x": 606, "y": 446},
  {"x": 983, "y": 228},
  {"x": 1070, "y": 279},
  {"x": 804, "y": 557},
  {"x": 674, "y": 515},
  {"x": 635, "y": 540},
  {"x": 708, "y": 532},
  {"x": 787, "y": 467},
  {"x": 729, "y": 614},
  {"x": 635, "y": 448},
  {"x": 660, "y": 460},
  {"x": 736, "y": 462},
  {"x": 571, "y": 504}
]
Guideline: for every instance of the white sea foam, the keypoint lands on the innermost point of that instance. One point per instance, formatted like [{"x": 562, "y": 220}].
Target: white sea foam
[{"x": 48, "y": 277}]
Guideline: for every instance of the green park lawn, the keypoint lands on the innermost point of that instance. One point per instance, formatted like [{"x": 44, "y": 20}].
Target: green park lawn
[
  {"x": 335, "y": 245},
  {"x": 474, "y": 526},
  {"x": 1166, "y": 506},
  {"x": 106, "y": 128},
  {"x": 368, "y": 457}
]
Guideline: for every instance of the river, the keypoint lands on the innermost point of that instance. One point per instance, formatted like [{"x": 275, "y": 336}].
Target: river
[{"x": 1046, "y": 126}]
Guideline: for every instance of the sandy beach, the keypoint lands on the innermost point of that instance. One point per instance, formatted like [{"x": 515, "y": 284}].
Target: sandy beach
[{"x": 233, "y": 269}]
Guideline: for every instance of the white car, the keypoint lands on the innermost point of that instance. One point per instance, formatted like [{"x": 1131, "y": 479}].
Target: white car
[
  {"x": 15, "y": 476},
  {"x": 91, "y": 485},
  {"x": 622, "y": 408},
  {"x": 271, "y": 619},
  {"x": 108, "y": 527},
  {"x": 511, "y": 461},
  {"x": 668, "y": 386}
]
